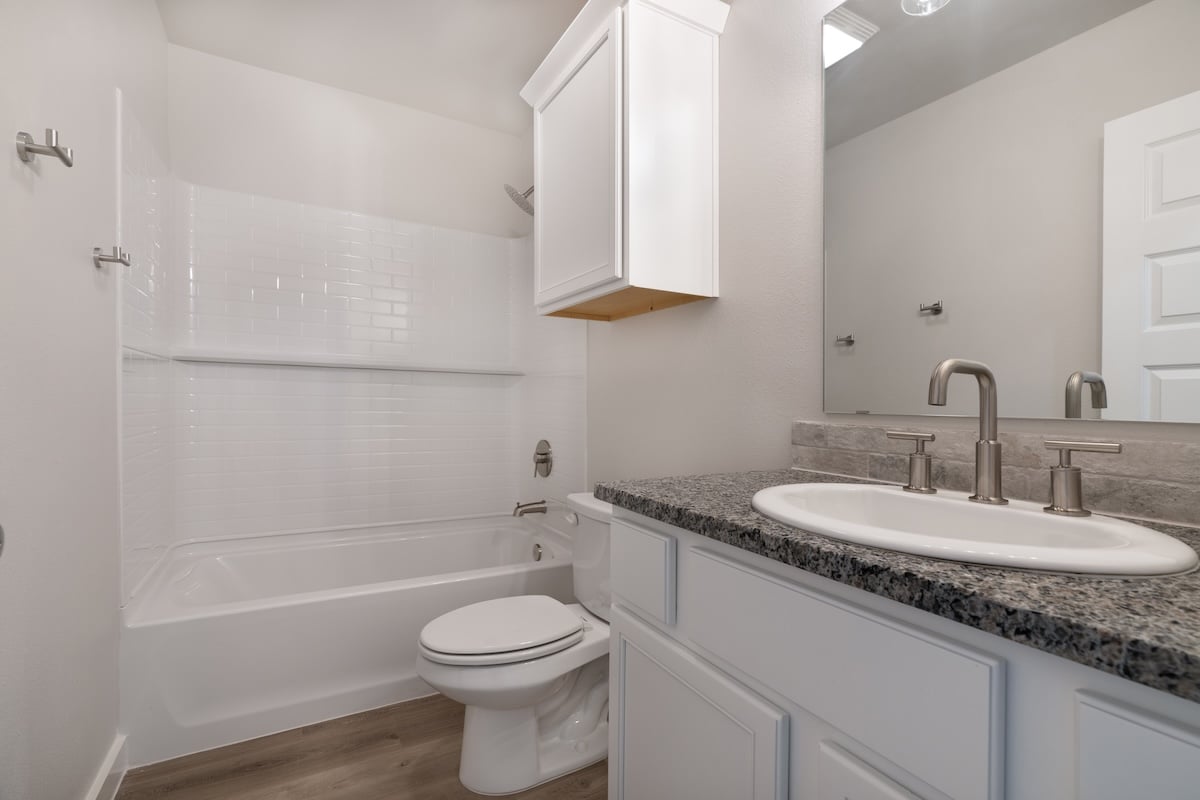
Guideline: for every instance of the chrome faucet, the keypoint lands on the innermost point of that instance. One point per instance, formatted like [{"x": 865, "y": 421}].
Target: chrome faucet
[
  {"x": 987, "y": 449},
  {"x": 1075, "y": 392},
  {"x": 536, "y": 507}
]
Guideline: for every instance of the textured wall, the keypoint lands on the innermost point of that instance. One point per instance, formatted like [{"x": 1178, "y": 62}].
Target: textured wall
[{"x": 59, "y": 354}]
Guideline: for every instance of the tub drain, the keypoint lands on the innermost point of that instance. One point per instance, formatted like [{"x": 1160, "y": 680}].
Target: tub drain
[{"x": 537, "y": 552}]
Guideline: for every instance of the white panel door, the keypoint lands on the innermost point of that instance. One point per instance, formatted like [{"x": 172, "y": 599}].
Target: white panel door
[
  {"x": 577, "y": 171},
  {"x": 1151, "y": 317},
  {"x": 681, "y": 729}
]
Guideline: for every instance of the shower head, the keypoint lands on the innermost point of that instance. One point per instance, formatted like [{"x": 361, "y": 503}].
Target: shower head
[{"x": 521, "y": 198}]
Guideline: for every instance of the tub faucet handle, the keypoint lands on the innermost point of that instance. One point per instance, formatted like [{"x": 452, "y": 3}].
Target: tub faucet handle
[{"x": 543, "y": 459}]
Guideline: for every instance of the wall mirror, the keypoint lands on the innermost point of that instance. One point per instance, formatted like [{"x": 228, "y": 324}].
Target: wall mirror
[{"x": 1016, "y": 182}]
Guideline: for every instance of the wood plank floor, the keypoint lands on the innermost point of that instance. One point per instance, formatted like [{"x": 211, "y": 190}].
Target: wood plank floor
[{"x": 401, "y": 752}]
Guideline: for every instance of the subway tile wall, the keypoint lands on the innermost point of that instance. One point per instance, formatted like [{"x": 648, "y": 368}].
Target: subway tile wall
[
  {"x": 273, "y": 276},
  {"x": 145, "y": 229},
  {"x": 218, "y": 449},
  {"x": 146, "y": 482},
  {"x": 265, "y": 449}
]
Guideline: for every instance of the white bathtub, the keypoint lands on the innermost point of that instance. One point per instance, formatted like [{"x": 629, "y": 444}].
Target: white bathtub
[{"x": 229, "y": 640}]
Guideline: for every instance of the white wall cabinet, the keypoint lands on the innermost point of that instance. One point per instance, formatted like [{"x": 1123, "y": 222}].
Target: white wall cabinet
[
  {"x": 879, "y": 701},
  {"x": 625, "y": 159}
]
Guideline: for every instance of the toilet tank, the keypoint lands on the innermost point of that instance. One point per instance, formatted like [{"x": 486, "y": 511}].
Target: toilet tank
[{"x": 591, "y": 552}]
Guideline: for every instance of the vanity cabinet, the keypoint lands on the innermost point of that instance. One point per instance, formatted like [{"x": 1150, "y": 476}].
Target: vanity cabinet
[
  {"x": 625, "y": 159},
  {"x": 685, "y": 730},
  {"x": 871, "y": 699}
]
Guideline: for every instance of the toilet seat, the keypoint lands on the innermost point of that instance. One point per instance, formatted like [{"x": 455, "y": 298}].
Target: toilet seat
[{"x": 501, "y": 631}]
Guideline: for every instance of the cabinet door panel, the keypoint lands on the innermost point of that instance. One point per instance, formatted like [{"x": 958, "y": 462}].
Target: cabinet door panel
[
  {"x": 843, "y": 777},
  {"x": 862, "y": 674},
  {"x": 578, "y": 157},
  {"x": 681, "y": 729},
  {"x": 646, "y": 578},
  {"x": 1126, "y": 754}
]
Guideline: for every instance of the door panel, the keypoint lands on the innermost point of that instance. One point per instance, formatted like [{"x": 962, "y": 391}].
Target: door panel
[
  {"x": 577, "y": 172},
  {"x": 1151, "y": 317}
]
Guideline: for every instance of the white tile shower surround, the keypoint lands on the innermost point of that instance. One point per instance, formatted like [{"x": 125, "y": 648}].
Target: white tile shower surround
[
  {"x": 218, "y": 450},
  {"x": 268, "y": 275},
  {"x": 261, "y": 449},
  {"x": 145, "y": 229},
  {"x": 146, "y": 486}
]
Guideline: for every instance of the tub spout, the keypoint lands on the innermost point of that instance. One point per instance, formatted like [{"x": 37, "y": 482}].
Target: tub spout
[{"x": 536, "y": 507}]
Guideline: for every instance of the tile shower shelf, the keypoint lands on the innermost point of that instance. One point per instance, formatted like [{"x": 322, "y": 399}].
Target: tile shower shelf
[{"x": 330, "y": 361}]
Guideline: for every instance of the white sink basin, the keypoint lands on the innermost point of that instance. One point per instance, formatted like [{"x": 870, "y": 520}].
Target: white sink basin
[{"x": 947, "y": 525}]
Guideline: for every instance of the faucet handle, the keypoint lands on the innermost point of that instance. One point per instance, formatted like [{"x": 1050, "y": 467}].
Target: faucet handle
[
  {"x": 1066, "y": 481},
  {"x": 913, "y": 436},
  {"x": 1066, "y": 447},
  {"x": 919, "y": 462}
]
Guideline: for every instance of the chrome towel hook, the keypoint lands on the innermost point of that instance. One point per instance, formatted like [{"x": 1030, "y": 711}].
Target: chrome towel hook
[
  {"x": 28, "y": 151},
  {"x": 847, "y": 340},
  {"x": 118, "y": 256},
  {"x": 933, "y": 309}
]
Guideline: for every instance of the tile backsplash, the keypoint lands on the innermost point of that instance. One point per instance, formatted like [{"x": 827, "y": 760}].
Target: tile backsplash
[{"x": 1148, "y": 480}]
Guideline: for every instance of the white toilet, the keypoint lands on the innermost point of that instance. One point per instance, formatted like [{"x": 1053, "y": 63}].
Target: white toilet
[{"x": 532, "y": 672}]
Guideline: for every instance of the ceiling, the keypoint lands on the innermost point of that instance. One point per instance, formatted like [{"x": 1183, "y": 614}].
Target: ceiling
[
  {"x": 913, "y": 61},
  {"x": 463, "y": 59}
]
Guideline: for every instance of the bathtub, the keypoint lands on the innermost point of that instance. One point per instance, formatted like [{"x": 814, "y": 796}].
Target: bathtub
[{"x": 228, "y": 640}]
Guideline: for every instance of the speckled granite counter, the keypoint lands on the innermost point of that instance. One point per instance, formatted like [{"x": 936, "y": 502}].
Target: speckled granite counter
[{"x": 1145, "y": 629}]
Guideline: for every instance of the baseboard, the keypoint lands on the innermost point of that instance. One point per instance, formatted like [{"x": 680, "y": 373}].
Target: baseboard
[{"x": 111, "y": 772}]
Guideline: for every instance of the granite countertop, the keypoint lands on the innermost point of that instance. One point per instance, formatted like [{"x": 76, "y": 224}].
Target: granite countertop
[{"x": 1143, "y": 629}]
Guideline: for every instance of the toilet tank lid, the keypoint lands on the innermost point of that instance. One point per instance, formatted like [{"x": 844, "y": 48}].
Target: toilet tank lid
[{"x": 586, "y": 503}]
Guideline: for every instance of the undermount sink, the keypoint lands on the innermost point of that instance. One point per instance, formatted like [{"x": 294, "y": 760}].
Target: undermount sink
[{"x": 947, "y": 525}]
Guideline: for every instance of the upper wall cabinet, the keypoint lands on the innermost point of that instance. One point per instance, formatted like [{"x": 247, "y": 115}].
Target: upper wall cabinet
[{"x": 625, "y": 141}]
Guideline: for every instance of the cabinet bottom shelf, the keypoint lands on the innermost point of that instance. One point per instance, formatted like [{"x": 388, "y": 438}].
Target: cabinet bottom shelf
[{"x": 627, "y": 302}]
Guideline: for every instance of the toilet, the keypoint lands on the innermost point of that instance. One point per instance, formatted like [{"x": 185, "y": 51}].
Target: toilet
[{"x": 532, "y": 671}]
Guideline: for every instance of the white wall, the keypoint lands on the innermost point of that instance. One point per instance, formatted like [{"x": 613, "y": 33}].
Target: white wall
[
  {"x": 250, "y": 130},
  {"x": 989, "y": 199},
  {"x": 59, "y": 499},
  {"x": 551, "y": 397},
  {"x": 713, "y": 386}
]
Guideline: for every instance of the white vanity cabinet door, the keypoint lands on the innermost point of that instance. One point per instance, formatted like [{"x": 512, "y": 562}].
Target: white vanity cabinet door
[
  {"x": 578, "y": 141},
  {"x": 645, "y": 580},
  {"x": 1126, "y": 754},
  {"x": 843, "y": 777},
  {"x": 681, "y": 729}
]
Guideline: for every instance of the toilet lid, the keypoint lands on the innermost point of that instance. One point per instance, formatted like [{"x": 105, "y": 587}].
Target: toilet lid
[{"x": 501, "y": 626}]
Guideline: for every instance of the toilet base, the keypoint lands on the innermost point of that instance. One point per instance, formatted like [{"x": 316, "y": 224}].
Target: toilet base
[{"x": 508, "y": 751}]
